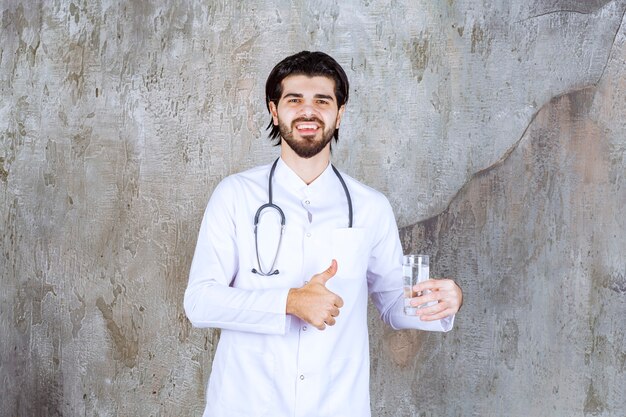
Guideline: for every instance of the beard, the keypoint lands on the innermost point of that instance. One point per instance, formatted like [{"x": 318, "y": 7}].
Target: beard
[{"x": 308, "y": 146}]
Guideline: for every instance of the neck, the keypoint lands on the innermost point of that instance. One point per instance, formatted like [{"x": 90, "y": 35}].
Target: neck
[{"x": 308, "y": 169}]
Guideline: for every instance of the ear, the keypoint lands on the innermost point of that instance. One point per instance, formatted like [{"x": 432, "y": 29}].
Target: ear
[
  {"x": 274, "y": 111},
  {"x": 340, "y": 112}
]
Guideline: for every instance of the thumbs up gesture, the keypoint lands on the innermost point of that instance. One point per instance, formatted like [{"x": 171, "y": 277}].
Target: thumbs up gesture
[{"x": 313, "y": 302}]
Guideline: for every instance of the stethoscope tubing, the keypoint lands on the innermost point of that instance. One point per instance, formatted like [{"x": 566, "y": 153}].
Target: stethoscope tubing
[{"x": 271, "y": 205}]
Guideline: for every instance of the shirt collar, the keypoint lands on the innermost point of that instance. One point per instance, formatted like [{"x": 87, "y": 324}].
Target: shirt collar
[{"x": 290, "y": 180}]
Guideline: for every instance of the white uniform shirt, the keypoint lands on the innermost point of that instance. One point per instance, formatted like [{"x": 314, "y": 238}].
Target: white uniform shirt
[{"x": 269, "y": 363}]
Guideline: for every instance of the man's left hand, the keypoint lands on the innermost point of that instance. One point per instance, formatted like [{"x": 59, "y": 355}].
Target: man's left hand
[{"x": 446, "y": 292}]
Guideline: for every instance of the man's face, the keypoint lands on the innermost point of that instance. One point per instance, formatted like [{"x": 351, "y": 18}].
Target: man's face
[{"x": 307, "y": 113}]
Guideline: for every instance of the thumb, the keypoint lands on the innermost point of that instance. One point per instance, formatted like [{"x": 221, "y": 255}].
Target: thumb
[{"x": 323, "y": 277}]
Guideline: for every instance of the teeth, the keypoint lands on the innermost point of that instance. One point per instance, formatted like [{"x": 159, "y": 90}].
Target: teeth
[{"x": 306, "y": 127}]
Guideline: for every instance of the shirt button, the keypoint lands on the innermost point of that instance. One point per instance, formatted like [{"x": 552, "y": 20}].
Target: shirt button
[
  {"x": 301, "y": 377},
  {"x": 304, "y": 328},
  {"x": 307, "y": 202},
  {"x": 308, "y": 235}
]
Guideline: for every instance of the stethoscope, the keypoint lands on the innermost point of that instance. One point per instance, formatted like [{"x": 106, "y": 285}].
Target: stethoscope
[{"x": 271, "y": 205}]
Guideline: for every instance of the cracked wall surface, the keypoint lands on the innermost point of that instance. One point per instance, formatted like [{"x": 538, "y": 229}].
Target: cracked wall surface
[{"x": 497, "y": 131}]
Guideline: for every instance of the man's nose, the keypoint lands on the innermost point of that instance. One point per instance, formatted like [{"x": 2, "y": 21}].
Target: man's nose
[{"x": 307, "y": 110}]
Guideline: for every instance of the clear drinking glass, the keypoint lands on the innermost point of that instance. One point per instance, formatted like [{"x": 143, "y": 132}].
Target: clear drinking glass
[{"x": 415, "y": 268}]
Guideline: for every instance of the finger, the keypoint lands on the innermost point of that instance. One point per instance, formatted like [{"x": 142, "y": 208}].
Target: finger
[
  {"x": 320, "y": 326},
  {"x": 338, "y": 302},
  {"x": 438, "y": 316},
  {"x": 430, "y": 310},
  {"x": 435, "y": 285},
  {"x": 431, "y": 284},
  {"x": 334, "y": 312},
  {"x": 330, "y": 321},
  {"x": 328, "y": 273},
  {"x": 427, "y": 298},
  {"x": 450, "y": 306}
]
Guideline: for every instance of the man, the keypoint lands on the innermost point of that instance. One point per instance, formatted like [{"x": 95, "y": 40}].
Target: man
[{"x": 294, "y": 340}]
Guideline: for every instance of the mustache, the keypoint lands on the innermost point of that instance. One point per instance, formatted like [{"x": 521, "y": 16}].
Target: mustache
[{"x": 308, "y": 119}]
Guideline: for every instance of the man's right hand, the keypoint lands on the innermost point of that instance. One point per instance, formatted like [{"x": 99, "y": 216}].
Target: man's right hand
[{"x": 313, "y": 302}]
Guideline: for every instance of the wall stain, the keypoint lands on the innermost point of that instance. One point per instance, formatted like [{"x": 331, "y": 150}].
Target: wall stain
[
  {"x": 37, "y": 293},
  {"x": 4, "y": 174},
  {"x": 481, "y": 43},
  {"x": 618, "y": 283},
  {"x": 418, "y": 50},
  {"x": 184, "y": 327},
  {"x": 49, "y": 392},
  {"x": 403, "y": 345},
  {"x": 77, "y": 315},
  {"x": 508, "y": 341},
  {"x": 420, "y": 237},
  {"x": 126, "y": 343},
  {"x": 79, "y": 144},
  {"x": 74, "y": 60},
  {"x": 29, "y": 299},
  {"x": 74, "y": 12},
  {"x": 593, "y": 403}
]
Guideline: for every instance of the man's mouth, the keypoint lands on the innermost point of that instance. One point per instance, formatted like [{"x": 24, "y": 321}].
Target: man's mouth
[{"x": 307, "y": 127}]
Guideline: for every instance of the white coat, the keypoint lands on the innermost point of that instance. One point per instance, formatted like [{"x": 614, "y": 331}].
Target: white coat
[{"x": 269, "y": 363}]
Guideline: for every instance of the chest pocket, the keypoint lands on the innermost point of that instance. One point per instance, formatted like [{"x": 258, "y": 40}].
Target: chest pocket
[{"x": 351, "y": 250}]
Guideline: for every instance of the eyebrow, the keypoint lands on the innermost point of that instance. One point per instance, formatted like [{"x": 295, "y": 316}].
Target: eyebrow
[{"x": 298, "y": 95}]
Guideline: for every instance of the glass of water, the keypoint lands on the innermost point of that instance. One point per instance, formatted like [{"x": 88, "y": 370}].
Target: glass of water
[{"x": 415, "y": 268}]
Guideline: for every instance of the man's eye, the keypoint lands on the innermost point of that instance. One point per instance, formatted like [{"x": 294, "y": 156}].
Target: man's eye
[{"x": 322, "y": 102}]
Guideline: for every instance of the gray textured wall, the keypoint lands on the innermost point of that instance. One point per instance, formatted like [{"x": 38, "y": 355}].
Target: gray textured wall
[{"x": 497, "y": 129}]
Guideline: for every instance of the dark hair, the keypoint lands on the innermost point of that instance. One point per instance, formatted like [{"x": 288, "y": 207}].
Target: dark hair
[{"x": 311, "y": 64}]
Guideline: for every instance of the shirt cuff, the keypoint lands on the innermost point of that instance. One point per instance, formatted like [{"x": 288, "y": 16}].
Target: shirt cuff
[{"x": 399, "y": 321}]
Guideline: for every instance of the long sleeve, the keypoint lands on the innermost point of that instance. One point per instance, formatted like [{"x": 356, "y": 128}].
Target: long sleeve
[
  {"x": 271, "y": 363},
  {"x": 385, "y": 278},
  {"x": 211, "y": 300}
]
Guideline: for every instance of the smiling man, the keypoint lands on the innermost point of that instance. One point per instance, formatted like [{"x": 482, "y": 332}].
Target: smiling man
[
  {"x": 309, "y": 114},
  {"x": 294, "y": 340}
]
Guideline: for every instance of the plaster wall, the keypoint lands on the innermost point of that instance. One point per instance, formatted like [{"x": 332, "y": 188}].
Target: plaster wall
[{"x": 496, "y": 129}]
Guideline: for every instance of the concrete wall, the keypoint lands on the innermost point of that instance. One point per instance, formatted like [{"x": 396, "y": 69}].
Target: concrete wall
[{"x": 497, "y": 130}]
